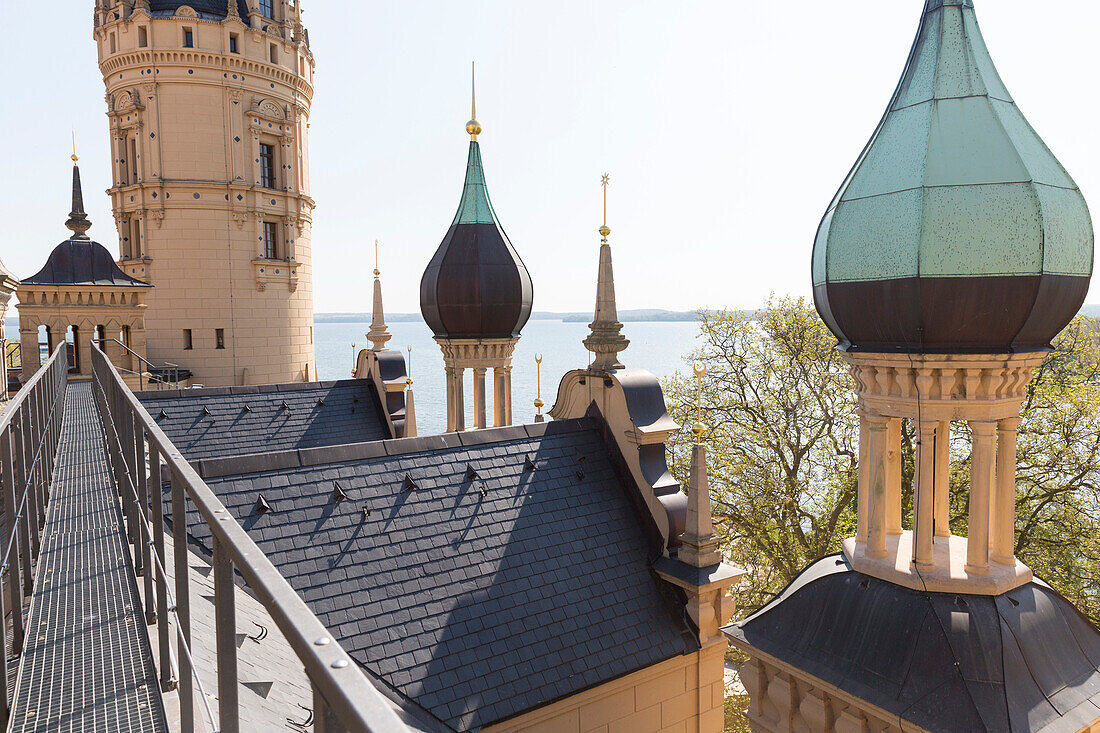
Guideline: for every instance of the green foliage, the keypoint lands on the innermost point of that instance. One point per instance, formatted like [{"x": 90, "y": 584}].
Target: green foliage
[{"x": 779, "y": 414}]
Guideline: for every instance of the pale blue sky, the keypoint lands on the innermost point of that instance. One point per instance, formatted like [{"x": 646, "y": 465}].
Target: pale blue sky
[{"x": 726, "y": 126}]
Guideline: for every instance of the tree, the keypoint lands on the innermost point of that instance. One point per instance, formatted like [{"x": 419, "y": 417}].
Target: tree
[{"x": 778, "y": 409}]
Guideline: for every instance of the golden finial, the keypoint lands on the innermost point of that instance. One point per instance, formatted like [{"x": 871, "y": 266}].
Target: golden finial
[
  {"x": 353, "y": 364},
  {"x": 605, "y": 229},
  {"x": 74, "y": 156},
  {"x": 377, "y": 272},
  {"x": 409, "y": 381},
  {"x": 698, "y": 428},
  {"x": 538, "y": 384},
  {"x": 473, "y": 127}
]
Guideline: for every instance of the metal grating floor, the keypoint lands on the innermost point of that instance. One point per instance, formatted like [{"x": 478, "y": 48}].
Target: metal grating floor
[{"x": 87, "y": 665}]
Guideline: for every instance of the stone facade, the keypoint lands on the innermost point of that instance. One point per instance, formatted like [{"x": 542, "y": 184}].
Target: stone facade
[
  {"x": 680, "y": 695},
  {"x": 209, "y": 122}
]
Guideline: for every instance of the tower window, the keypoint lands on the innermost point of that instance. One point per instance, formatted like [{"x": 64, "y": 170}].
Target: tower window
[
  {"x": 135, "y": 237},
  {"x": 271, "y": 240},
  {"x": 219, "y": 338},
  {"x": 267, "y": 9},
  {"x": 187, "y": 343},
  {"x": 113, "y": 46},
  {"x": 133, "y": 159},
  {"x": 267, "y": 165},
  {"x": 188, "y": 38},
  {"x": 143, "y": 37},
  {"x": 233, "y": 43},
  {"x": 274, "y": 54}
]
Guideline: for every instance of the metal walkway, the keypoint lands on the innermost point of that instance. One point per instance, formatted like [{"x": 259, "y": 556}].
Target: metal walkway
[{"x": 87, "y": 664}]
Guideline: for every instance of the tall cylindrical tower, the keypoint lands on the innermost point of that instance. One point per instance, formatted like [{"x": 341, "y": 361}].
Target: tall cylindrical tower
[{"x": 208, "y": 105}]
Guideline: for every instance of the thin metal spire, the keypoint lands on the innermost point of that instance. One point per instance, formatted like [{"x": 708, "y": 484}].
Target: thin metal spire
[
  {"x": 605, "y": 339},
  {"x": 78, "y": 222},
  {"x": 379, "y": 334},
  {"x": 473, "y": 127}
]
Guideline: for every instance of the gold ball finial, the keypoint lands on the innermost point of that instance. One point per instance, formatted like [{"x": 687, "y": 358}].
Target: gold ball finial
[
  {"x": 698, "y": 428},
  {"x": 604, "y": 231},
  {"x": 74, "y": 157},
  {"x": 473, "y": 128}
]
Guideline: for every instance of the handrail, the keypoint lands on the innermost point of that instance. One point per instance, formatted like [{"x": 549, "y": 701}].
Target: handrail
[
  {"x": 30, "y": 428},
  {"x": 174, "y": 369},
  {"x": 344, "y": 699}
]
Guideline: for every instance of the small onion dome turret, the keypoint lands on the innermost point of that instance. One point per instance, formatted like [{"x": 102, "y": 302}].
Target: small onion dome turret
[
  {"x": 957, "y": 231},
  {"x": 476, "y": 285}
]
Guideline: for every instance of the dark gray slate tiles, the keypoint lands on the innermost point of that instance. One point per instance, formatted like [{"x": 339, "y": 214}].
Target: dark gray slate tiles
[
  {"x": 210, "y": 423},
  {"x": 477, "y": 598}
]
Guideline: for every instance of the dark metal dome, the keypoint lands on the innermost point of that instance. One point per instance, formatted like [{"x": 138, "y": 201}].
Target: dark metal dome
[
  {"x": 476, "y": 285},
  {"x": 218, "y": 8}
]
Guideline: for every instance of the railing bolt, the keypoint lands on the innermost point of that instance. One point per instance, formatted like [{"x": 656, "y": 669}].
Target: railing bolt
[
  {"x": 323, "y": 641},
  {"x": 340, "y": 664}
]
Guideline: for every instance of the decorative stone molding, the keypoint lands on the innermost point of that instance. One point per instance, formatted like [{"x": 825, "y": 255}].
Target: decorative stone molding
[
  {"x": 932, "y": 390},
  {"x": 946, "y": 387},
  {"x": 281, "y": 272},
  {"x": 389, "y": 373},
  {"x": 632, "y": 403},
  {"x": 784, "y": 699}
]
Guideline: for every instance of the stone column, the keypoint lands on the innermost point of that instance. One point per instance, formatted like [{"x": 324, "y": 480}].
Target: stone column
[
  {"x": 450, "y": 382},
  {"x": 28, "y": 347},
  {"x": 460, "y": 404},
  {"x": 1004, "y": 499},
  {"x": 925, "y": 483},
  {"x": 498, "y": 397},
  {"x": 508, "y": 395},
  {"x": 981, "y": 485},
  {"x": 861, "y": 490},
  {"x": 942, "y": 510},
  {"x": 876, "y": 485},
  {"x": 479, "y": 398},
  {"x": 893, "y": 475}
]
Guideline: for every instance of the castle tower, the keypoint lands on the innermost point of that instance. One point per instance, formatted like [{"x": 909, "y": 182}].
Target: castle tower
[
  {"x": 208, "y": 104},
  {"x": 476, "y": 296},
  {"x": 954, "y": 253}
]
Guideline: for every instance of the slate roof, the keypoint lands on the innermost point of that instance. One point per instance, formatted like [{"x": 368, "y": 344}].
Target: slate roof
[
  {"x": 478, "y": 597},
  {"x": 252, "y": 419},
  {"x": 1025, "y": 660}
]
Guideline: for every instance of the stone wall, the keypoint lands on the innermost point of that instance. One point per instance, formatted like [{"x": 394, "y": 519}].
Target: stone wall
[{"x": 681, "y": 695}]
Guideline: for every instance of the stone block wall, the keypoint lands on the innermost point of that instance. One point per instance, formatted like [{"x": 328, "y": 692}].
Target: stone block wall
[{"x": 681, "y": 695}]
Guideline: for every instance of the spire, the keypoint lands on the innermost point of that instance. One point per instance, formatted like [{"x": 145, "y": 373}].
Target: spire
[
  {"x": 231, "y": 11},
  {"x": 410, "y": 409},
  {"x": 78, "y": 220},
  {"x": 473, "y": 127},
  {"x": 699, "y": 546},
  {"x": 539, "y": 404},
  {"x": 378, "y": 334},
  {"x": 605, "y": 339}
]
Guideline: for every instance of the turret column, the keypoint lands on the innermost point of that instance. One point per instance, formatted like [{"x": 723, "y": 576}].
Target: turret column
[
  {"x": 925, "y": 495},
  {"x": 981, "y": 484},
  {"x": 479, "y": 398},
  {"x": 1004, "y": 500},
  {"x": 942, "y": 508}
]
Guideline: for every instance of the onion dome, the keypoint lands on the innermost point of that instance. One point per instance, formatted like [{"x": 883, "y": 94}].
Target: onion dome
[
  {"x": 476, "y": 286},
  {"x": 957, "y": 231},
  {"x": 78, "y": 260}
]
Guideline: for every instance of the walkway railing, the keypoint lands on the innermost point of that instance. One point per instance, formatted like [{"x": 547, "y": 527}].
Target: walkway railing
[
  {"x": 343, "y": 698},
  {"x": 29, "y": 430},
  {"x": 170, "y": 373}
]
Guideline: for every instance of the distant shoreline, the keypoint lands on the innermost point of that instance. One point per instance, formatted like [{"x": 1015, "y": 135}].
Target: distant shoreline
[{"x": 626, "y": 316}]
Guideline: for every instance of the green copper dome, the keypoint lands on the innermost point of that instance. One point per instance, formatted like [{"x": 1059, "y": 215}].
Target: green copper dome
[{"x": 957, "y": 229}]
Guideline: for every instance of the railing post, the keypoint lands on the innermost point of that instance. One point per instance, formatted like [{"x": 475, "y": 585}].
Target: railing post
[
  {"x": 30, "y": 510},
  {"x": 39, "y": 424},
  {"x": 5, "y": 709},
  {"x": 183, "y": 602},
  {"x": 225, "y": 629},
  {"x": 167, "y": 680},
  {"x": 20, "y": 515},
  {"x": 324, "y": 720},
  {"x": 126, "y": 439},
  {"x": 146, "y": 540},
  {"x": 15, "y": 587}
]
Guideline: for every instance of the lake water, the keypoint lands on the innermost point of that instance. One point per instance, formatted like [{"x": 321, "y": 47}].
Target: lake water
[{"x": 657, "y": 347}]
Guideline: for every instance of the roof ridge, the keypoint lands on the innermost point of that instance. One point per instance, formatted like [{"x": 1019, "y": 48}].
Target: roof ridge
[{"x": 299, "y": 457}]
